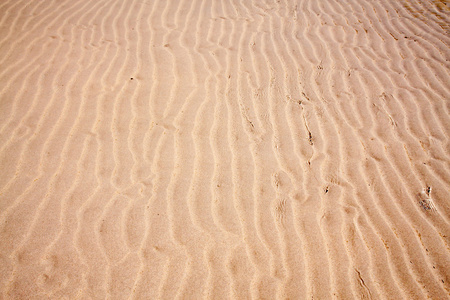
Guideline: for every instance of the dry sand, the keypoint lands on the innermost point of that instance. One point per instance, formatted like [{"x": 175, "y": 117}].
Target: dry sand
[{"x": 224, "y": 149}]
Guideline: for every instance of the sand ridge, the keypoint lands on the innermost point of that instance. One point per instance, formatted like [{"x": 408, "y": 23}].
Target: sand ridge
[{"x": 224, "y": 149}]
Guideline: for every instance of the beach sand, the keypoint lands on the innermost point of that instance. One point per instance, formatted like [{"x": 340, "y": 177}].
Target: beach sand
[{"x": 224, "y": 149}]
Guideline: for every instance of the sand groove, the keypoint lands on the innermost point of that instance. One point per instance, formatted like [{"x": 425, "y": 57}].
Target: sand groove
[{"x": 224, "y": 149}]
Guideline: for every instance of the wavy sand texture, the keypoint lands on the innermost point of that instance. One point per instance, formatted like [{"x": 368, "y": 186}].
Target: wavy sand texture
[{"x": 226, "y": 149}]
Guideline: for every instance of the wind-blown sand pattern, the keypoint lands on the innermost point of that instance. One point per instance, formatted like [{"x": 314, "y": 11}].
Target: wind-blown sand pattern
[{"x": 224, "y": 149}]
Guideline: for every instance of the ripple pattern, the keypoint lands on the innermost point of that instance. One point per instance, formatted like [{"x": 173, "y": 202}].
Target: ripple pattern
[{"x": 225, "y": 149}]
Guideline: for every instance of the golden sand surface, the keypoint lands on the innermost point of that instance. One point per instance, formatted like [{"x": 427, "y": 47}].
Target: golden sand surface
[{"x": 224, "y": 149}]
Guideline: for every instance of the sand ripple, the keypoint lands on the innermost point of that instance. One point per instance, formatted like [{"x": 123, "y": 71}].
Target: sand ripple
[{"x": 224, "y": 149}]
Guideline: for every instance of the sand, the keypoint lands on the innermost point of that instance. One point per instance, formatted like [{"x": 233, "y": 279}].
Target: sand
[{"x": 224, "y": 149}]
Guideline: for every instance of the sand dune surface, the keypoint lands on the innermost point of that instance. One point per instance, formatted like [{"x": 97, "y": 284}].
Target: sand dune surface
[{"x": 225, "y": 149}]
